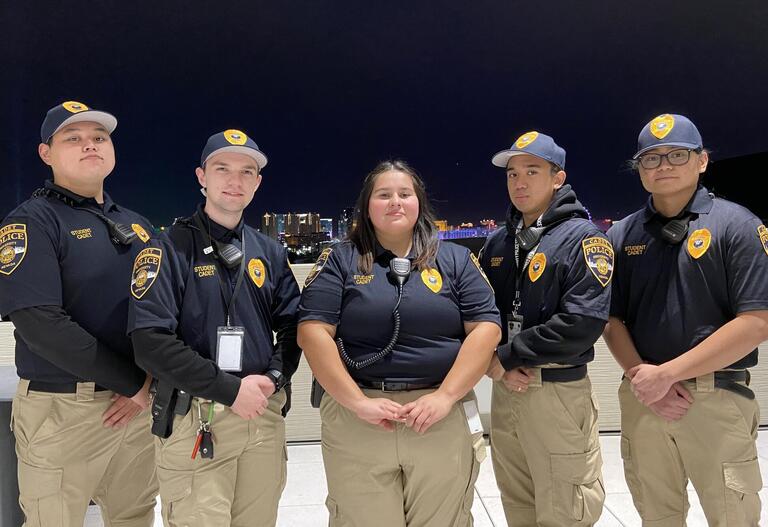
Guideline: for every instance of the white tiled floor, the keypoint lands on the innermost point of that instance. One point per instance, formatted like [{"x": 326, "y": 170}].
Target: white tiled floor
[{"x": 302, "y": 504}]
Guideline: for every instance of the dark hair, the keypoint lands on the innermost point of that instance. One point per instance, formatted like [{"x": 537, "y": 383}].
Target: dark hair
[{"x": 425, "y": 241}]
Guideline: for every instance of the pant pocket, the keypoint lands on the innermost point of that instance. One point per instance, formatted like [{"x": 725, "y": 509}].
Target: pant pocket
[
  {"x": 178, "y": 508},
  {"x": 742, "y": 483},
  {"x": 629, "y": 475},
  {"x": 40, "y": 495},
  {"x": 335, "y": 518},
  {"x": 577, "y": 487}
]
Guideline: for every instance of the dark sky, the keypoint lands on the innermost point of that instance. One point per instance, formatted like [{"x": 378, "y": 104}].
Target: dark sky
[{"x": 328, "y": 88}]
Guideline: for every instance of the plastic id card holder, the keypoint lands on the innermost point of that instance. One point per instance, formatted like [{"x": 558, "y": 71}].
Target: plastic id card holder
[
  {"x": 514, "y": 326},
  {"x": 229, "y": 347},
  {"x": 473, "y": 417}
]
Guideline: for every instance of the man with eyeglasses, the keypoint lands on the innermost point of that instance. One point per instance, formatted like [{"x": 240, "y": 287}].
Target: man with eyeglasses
[{"x": 689, "y": 308}]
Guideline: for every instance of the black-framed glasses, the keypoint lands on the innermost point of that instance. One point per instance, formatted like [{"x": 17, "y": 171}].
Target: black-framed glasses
[{"x": 676, "y": 158}]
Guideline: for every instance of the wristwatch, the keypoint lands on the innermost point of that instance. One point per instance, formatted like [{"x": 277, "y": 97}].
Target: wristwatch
[{"x": 277, "y": 377}]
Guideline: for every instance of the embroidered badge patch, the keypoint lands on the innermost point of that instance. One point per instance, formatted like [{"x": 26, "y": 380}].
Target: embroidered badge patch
[
  {"x": 537, "y": 266},
  {"x": 662, "y": 125},
  {"x": 140, "y": 232},
  {"x": 698, "y": 242},
  {"x": 235, "y": 137},
  {"x": 598, "y": 253},
  {"x": 257, "y": 272},
  {"x": 432, "y": 279},
  {"x": 762, "y": 231},
  {"x": 526, "y": 139},
  {"x": 13, "y": 246},
  {"x": 74, "y": 106},
  {"x": 145, "y": 270},
  {"x": 318, "y": 267}
]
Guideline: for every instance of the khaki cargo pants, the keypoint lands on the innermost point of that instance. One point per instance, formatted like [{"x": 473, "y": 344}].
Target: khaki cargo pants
[
  {"x": 546, "y": 453},
  {"x": 241, "y": 485},
  {"x": 378, "y": 478},
  {"x": 713, "y": 445},
  {"x": 67, "y": 457}
]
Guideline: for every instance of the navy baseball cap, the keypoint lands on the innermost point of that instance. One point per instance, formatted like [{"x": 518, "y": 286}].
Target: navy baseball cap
[
  {"x": 74, "y": 112},
  {"x": 535, "y": 144},
  {"x": 668, "y": 130},
  {"x": 233, "y": 141}
]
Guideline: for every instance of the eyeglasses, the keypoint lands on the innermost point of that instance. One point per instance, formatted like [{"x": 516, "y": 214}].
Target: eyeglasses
[{"x": 675, "y": 158}]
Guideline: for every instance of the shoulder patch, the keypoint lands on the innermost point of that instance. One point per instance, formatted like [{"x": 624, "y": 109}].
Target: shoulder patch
[
  {"x": 432, "y": 279},
  {"x": 257, "y": 272},
  {"x": 598, "y": 253},
  {"x": 318, "y": 267},
  {"x": 479, "y": 268},
  {"x": 537, "y": 266},
  {"x": 698, "y": 243},
  {"x": 140, "y": 232},
  {"x": 762, "y": 231},
  {"x": 13, "y": 246},
  {"x": 145, "y": 271}
]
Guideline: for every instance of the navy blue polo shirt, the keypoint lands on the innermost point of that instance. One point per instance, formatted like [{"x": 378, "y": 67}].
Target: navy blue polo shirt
[
  {"x": 672, "y": 297},
  {"x": 435, "y": 304},
  {"x": 569, "y": 272},
  {"x": 52, "y": 254},
  {"x": 180, "y": 290}
]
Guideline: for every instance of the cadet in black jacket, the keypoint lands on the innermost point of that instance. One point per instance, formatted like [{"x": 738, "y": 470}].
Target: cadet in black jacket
[
  {"x": 207, "y": 297},
  {"x": 550, "y": 268}
]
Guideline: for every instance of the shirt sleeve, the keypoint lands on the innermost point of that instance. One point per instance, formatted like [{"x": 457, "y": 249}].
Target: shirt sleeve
[
  {"x": 156, "y": 289},
  {"x": 746, "y": 263},
  {"x": 618, "y": 294},
  {"x": 586, "y": 288},
  {"x": 321, "y": 298},
  {"x": 287, "y": 353},
  {"x": 30, "y": 274},
  {"x": 475, "y": 293}
]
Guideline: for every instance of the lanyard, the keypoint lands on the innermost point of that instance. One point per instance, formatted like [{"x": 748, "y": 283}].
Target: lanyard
[{"x": 516, "y": 303}]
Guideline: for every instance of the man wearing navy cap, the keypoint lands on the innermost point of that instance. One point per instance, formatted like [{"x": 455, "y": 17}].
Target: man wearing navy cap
[
  {"x": 689, "y": 308},
  {"x": 550, "y": 268},
  {"x": 65, "y": 255},
  {"x": 207, "y": 297}
]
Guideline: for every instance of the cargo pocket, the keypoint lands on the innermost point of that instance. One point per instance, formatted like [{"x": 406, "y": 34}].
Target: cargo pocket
[
  {"x": 40, "y": 495},
  {"x": 335, "y": 518},
  {"x": 629, "y": 475},
  {"x": 175, "y": 489},
  {"x": 742, "y": 483},
  {"x": 479, "y": 454},
  {"x": 577, "y": 488}
]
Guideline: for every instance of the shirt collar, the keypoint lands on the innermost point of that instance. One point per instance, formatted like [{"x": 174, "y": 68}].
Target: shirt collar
[
  {"x": 81, "y": 200},
  {"x": 700, "y": 203},
  {"x": 382, "y": 254},
  {"x": 221, "y": 233}
]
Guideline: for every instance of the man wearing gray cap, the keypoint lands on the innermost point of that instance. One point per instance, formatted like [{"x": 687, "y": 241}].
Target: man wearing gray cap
[
  {"x": 79, "y": 413},
  {"x": 206, "y": 299},
  {"x": 689, "y": 308},
  {"x": 550, "y": 268}
]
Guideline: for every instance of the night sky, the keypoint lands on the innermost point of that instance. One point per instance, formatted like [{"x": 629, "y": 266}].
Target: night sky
[{"x": 329, "y": 88}]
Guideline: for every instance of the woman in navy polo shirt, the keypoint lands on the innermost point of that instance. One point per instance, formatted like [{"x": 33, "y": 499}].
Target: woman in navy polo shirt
[{"x": 402, "y": 441}]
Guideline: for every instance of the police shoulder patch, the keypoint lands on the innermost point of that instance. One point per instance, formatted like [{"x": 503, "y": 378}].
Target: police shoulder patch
[
  {"x": 479, "y": 268},
  {"x": 762, "y": 231},
  {"x": 140, "y": 232},
  {"x": 13, "y": 246},
  {"x": 698, "y": 243},
  {"x": 318, "y": 267},
  {"x": 537, "y": 266},
  {"x": 257, "y": 272},
  {"x": 598, "y": 253},
  {"x": 146, "y": 267},
  {"x": 432, "y": 279}
]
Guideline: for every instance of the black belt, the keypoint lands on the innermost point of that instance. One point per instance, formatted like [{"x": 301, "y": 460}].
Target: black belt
[
  {"x": 575, "y": 373},
  {"x": 729, "y": 380},
  {"x": 396, "y": 386},
  {"x": 59, "y": 387}
]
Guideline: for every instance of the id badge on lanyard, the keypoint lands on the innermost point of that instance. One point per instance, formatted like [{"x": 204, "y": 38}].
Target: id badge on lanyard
[
  {"x": 514, "y": 325},
  {"x": 229, "y": 347}
]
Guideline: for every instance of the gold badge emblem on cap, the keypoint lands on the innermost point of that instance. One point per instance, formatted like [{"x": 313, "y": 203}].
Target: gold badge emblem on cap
[
  {"x": 526, "y": 139},
  {"x": 235, "y": 137},
  {"x": 432, "y": 279},
  {"x": 662, "y": 125},
  {"x": 698, "y": 243},
  {"x": 74, "y": 106}
]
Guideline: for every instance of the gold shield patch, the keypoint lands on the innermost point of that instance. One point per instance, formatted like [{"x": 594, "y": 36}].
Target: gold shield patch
[
  {"x": 13, "y": 246},
  {"x": 598, "y": 253},
  {"x": 479, "y": 268},
  {"x": 74, "y": 106},
  {"x": 432, "y": 279},
  {"x": 235, "y": 137},
  {"x": 662, "y": 125},
  {"x": 257, "y": 272},
  {"x": 140, "y": 232},
  {"x": 145, "y": 270},
  {"x": 698, "y": 243},
  {"x": 537, "y": 266},
  {"x": 762, "y": 231},
  {"x": 318, "y": 267},
  {"x": 526, "y": 139}
]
